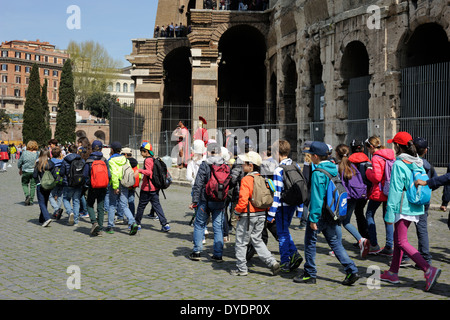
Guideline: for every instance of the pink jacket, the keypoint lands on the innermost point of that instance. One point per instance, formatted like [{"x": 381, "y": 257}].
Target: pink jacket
[
  {"x": 376, "y": 174},
  {"x": 148, "y": 175}
]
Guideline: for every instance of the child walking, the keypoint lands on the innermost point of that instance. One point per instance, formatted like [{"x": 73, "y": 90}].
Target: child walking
[
  {"x": 401, "y": 212},
  {"x": 318, "y": 221},
  {"x": 250, "y": 220}
]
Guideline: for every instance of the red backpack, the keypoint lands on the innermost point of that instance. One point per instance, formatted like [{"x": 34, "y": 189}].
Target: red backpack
[
  {"x": 99, "y": 174},
  {"x": 136, "y": 176},
  {"x": 219, "y": 182}
]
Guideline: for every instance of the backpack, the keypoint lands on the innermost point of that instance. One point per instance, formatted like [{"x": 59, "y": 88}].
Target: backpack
[
  {"x": 59, "y": 179},
  {"x": 161, "y": 178},
  {"x": 99, "y": 173},
  {"x": 128, "y": 179},
  {"x": 335, "y": 204},
  {"x": 219, "y": 183},
  {"x": 356, "y": 188},
  {"x": 295, "y": 191},
  {"x": 48, "y": 182},
  {"x": 387, "y": 175},
  {"x": 420, "y": 195},
  {"x": 76, "y": 177},
  {"x": 262, "y": 195}
]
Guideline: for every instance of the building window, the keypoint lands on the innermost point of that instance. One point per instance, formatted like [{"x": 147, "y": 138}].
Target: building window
[
  {"x": 4, "y": 67},
  {"x": 125, "y": 87},
  {"x": 16, "y": 92},
  {"x": 27, "y": 56},
  {"x": 54, "y": 109},
  {"x": 55, "y": 60},
  {"x": 4, "y": 54},
  {"x": 37, "y": 57},
  {"x": 132, "y": 88},
  {"x": 55, "y": 73},
  {"x": 4, "y": 79},
  {"x": 55, "y": 95},
  {"x": 18, "y": 80},
  {"x": 46, "y": 58},
  {"x": 117, "y": 87},
  {"x": 27, "y": 80},
  {"x": 27, "y": 69},
  {"x": 16, "y": 106},
  {"x": 55, "y": 84},
  {"x": 110, "y": 87},
  {"x": 17, "y": 68},
  {"x": 46, "y": 72},
  {"x": 18, "y": 55}
]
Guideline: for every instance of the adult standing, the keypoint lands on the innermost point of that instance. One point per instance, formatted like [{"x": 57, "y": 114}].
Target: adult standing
[
  {"x": 183, "y": 144},
  {"x": 26, "y": 168}
]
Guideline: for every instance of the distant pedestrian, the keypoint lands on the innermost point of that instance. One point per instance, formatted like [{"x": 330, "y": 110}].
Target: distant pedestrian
[
  {"x": 56, "y": 195},
  {"x": 4, "y": 156},
  {"x": 26, "y": 165}
]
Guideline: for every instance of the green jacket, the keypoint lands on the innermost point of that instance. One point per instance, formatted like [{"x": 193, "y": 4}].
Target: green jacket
[
  {"x": 115, "y": 167},
  {"x": 397, "y": 201},
  {"x": 27, "y": 161}
]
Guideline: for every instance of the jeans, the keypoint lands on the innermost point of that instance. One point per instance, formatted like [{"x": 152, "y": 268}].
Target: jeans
[
  {"x": 216, "y": 209},
  {"x": 422, "y": 235},
  {"x": 333, "y": 236},
  {"x": 351, "y": 204},
  {"x": 372, "y": 207},
  {"x": 402, "y": 246},
  {"x": 99, "y": 196},
  {"x": 153, "y": 197},
  {"x": 57, "y": 192},
  {"x": 74, "y": 194},
  {"x": 43, "y": 196},
  {"x": 131, "y": 205},
  {"x": 119, "y": 202},
  {"x": 28, "y": 185},
  {"x": 283, "y": 217}
]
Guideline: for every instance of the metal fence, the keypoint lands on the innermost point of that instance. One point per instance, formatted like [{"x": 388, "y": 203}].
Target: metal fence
[{"x": 156, "y": 124}]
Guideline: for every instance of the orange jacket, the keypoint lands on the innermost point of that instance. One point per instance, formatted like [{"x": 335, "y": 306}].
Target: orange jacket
[{"x": 245, "y": 194}]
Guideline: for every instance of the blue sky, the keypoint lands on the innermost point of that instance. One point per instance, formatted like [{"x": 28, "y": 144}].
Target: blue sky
[{"x": 111, "y": 23}]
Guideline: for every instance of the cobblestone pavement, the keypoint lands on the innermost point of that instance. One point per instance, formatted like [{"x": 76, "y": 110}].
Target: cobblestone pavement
[{"x": 154, "y": 265}]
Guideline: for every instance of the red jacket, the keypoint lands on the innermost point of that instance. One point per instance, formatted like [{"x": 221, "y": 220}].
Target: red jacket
[
  {"x": 376, "y": 174},
  {"x": 148, "y": 175}
]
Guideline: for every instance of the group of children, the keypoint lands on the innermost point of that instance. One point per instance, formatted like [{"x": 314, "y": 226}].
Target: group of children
[
  {"x": 85, "y": 175},
  {"x": 370, "y": 184}
]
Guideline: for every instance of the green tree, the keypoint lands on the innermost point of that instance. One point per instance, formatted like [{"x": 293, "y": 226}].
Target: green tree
[
  {"x": 33, "y": 117},
  {"x": 99, "y": 104},
  {"x": 46, "y": 112},
  {"x": 4, "y": 121},
  {"x": 66, "y": 117},
  {"x": 93, "y": 69}
]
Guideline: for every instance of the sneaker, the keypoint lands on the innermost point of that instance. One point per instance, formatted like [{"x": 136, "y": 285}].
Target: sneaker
[
  {"x": 94, "y": 229},
  {"x": 350, "y": 279},
  {"x": 331, "y": 253},
  {"x": 237, "y": 272},
  {"x": 389, "y": 277},
  {"x": 431, "y": 277},
  {"x": 153, "y": 217},
  {"x": 374, "y": 249},
  {"x": 295, "y": 262},
  {"x": 304, "y": 278},
  {"x": 133, "y": 229},
  {"x": 47, "y": 222},
  {"x": 275, "y": 268},
  {"x": 59, "y": 213},
  {"x": 109, "y": 230},
  {"x": 71, "y": 217},
  {"x": 216, "y": 258},
  {"x": 27, "y": 201},
  {"x": 139, "y": 227},
  {"x": 119, "y": 221},
  {"x": 364, "y": 245},
  {"x": 386, "y": 252},
  {"x": 285, "y": 267},
  {"x": 84, "y": 215},
  {"x": 195, "y": 256},
  {"x": 165, "y": 228}
]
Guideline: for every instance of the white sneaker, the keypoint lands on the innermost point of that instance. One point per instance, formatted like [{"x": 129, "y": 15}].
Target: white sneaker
[
  {"x": 46, "y": 223},
  {"x": 71, "y": 221}
]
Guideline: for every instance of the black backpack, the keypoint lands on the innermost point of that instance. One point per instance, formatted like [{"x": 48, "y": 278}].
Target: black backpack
[
  {"x": 161, "y": 178},
  {"x": 76, "y": 177},
  {"x": 295, "y": 191}
]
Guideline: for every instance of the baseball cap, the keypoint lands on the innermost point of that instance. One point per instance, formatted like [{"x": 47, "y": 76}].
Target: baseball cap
[
  {"x": 116, "y": 145},
  {"x": 97, "y": 144},
  {"x": 420, "y": 143},
  {"x": 251, "y": 157},
  {"x": 319, "y": 148},
  {"x": 147, "y": 146},
  {"x": 126, "y": 150},
  {"x": 402, "y": 138}
]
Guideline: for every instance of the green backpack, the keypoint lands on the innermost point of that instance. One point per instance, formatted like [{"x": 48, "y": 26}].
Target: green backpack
[{"x": 48, "y": 182}]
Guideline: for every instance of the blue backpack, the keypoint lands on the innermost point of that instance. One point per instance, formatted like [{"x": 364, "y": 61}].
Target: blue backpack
[
  {"x": 335, "y": 204},
  {"x": 420, "y": 195},
  {"x": 356, "y": 188}
]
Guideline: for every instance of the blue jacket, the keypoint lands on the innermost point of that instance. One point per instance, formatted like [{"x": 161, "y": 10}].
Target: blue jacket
[
  {"x": 65, "y": 166},
  {"x": 439, "y": 181},
  {"x": 319, "y": 185},
  {"x": 96, "y": 155}
]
